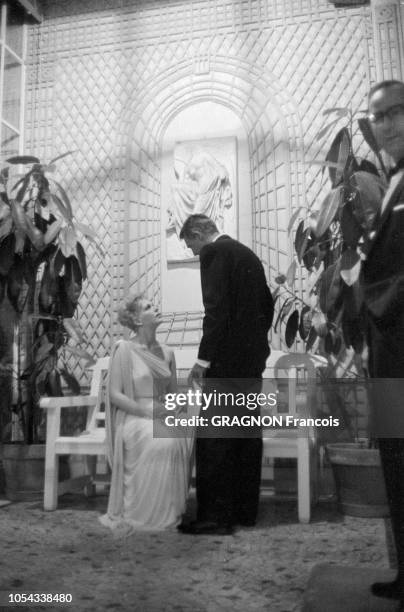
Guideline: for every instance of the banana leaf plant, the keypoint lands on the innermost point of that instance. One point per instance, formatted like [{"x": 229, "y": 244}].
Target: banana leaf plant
[
  {"x": 42, "y": 270},
  {"x": 329, "y": 244}
]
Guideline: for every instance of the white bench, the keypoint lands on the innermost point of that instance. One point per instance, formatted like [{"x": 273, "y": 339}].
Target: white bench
[
  {"x": 297, "y": 370},
  {"x": 92, "y": 441}
]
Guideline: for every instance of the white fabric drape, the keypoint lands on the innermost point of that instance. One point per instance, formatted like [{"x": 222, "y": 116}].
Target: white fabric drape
[{"x": 150, "y": 476}]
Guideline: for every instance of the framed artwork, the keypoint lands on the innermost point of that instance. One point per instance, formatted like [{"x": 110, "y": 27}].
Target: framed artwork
[{"x": 204, "y": 181}]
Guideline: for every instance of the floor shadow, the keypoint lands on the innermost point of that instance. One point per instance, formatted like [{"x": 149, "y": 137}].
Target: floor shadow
[{"x": 280, "y": 512}]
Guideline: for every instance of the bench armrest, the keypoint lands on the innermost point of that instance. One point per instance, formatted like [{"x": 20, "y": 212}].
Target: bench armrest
[{"x": 68, "y": 401}]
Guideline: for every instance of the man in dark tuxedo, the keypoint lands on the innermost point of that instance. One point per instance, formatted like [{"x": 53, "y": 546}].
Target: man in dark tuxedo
[
  {"x": 231, "y": 358},
  {"x": 383, "y": 285}
]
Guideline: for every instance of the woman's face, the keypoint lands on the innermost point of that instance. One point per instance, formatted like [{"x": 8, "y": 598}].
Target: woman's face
[{"x": 147, "y": 314}]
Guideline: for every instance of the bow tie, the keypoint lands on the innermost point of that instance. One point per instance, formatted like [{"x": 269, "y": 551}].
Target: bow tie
[{"x": 399, "y": 166}]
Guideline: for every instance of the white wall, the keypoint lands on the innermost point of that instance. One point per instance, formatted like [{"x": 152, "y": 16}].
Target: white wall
[{"x": 205, "y": 120}]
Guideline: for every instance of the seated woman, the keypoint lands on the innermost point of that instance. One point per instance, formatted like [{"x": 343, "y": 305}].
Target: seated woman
[{"x": 150, "y": 473}]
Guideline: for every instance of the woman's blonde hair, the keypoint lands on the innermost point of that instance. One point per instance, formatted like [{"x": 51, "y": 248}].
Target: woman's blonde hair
[{"x": 130, "y": 307}]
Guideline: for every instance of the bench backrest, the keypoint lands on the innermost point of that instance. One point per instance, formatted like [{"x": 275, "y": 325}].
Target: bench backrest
[{"x": 98, "y": 388}]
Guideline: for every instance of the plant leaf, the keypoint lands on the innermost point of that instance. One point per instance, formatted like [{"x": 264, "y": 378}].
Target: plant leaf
[
  {"x": 81, "y": 257},
  {"x": 350, "y": 227},
  {"x": 329, "y": 342},
  {"x": 55, "y": 159},
  {"x": 291, "y": 273},
  {"x": 339, "y": 153},
  {"x": 48, "y": 290},
  {"x": 67, "y": 241},
  {"x": 24, "y": 186},
  {"x": 291, "y": 328},
  {"x": 314, "y": 276},
  {"x": 293, "y": 218},
  {"x": 368, "y": 166},
  {"x": 86, "y": 230},
  {"x": 65, "y": 197},
  {"x": 326, "y": 128},
  {"x": 311, "y": 339},
  {"x": 350, "y": 266},
  {"x": 7, "y": 248},
  {"x": 330, "y": 287},
  {"x": 57, "y": 202},
  {"x": 305, "y": 322},
  {"x": 3, "y": 284},
  {"x": 52, "y": 230},
  {"x": 319, "y": 323},
  {"x": 53, "y": 383},
  {"x": 286, "y": 305},
  {"x": 23, "y": 159},
  {"x": 71, "y": 381},
  {"x": 370, "y": 190},
  {"x": 73, "y": 329},
  {"x": 56, "y": 263},
  {"x": 44, "y": 349},
  {"x": 15, "y": 284},
  {"x": 78, "y": 352},
  {"x": 299, "y": 239},
  {"x": 20, "y": 181},
  {"x": 328, "y": 210},
  {"x": 341, "y": 110}
]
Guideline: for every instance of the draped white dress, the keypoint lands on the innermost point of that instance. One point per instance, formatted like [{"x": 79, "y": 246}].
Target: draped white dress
[{"x": 150, "y": 475}]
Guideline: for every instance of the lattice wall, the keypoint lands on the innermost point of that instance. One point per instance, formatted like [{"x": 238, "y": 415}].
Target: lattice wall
[{"x": 108, "y": 76}]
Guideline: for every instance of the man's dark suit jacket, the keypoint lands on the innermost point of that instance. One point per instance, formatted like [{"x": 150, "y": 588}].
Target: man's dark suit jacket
[
  {"x": 238, "y": 310},
  {"x": 383, "y": 285}
]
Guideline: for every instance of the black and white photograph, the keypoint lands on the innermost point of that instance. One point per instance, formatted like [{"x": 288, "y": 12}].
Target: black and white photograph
[{"x": 202, "y": 305}]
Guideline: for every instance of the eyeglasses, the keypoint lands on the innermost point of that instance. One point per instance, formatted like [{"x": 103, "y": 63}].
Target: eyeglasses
[{"x": 392, "y": 113}]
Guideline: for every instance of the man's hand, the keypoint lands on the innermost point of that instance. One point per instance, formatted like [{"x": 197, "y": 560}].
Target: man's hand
[{"x": 197, "y": 374}]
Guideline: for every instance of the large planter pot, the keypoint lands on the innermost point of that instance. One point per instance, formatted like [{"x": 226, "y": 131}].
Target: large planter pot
[
  {"x": 24, "y": 468},
  {"x": 24, "y": 471},
  {"x": 359, "y": 480}
]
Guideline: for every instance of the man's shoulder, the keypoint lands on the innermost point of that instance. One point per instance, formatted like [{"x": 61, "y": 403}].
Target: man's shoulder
[{"x": 227, "y": 243}]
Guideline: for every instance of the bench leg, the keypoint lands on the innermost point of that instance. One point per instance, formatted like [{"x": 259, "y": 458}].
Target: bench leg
[
  {"x": 51, "y": 460},
  {"x": 303, "y": 481},
  {"x": 91, "y": 461},
  {"x": 51, "y": 480}
]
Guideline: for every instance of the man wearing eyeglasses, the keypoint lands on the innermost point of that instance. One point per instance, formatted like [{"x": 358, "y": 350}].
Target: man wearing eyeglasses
[{"x": 383, "y": 285}]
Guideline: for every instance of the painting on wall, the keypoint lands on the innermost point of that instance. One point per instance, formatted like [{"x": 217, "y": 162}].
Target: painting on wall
[{"x": 204, "y": 181}]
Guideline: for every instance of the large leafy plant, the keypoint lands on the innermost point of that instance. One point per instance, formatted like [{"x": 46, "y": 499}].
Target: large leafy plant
[
  {"x": 42, "y": 269},
  {"x": 329, "y": 243}
]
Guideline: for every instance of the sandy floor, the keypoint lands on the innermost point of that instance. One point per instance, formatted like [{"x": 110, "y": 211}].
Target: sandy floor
[{"x": 260, "y": 568}]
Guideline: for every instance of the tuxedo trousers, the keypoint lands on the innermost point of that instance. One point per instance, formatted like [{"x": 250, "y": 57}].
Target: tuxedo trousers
[
  {"x": 228, "y": 476},
  {"x": 386, "y": 365},
  {"x": 228, "y": 458},
  {"x": 392, "y": 459}
]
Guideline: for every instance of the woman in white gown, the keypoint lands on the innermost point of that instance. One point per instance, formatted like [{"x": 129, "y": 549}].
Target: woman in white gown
[{"x": 150, "y": 474}]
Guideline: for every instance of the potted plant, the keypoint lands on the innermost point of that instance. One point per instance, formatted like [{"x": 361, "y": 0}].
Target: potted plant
[
  {"x": 42, "y": 269},
  {"x": 329, "y": 244}
]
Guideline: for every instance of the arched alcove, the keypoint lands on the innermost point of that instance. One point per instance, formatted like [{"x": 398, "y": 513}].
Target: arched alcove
[
  {"x": 213, "y": 127},
  {"x": 270, "y": 124}
]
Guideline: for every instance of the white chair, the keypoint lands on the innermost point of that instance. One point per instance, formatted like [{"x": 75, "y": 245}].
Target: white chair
[
  {"x": 91, "y": 442},
  {"x": 185, "y": 359},
  {"x": 294, "y": 376}
]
